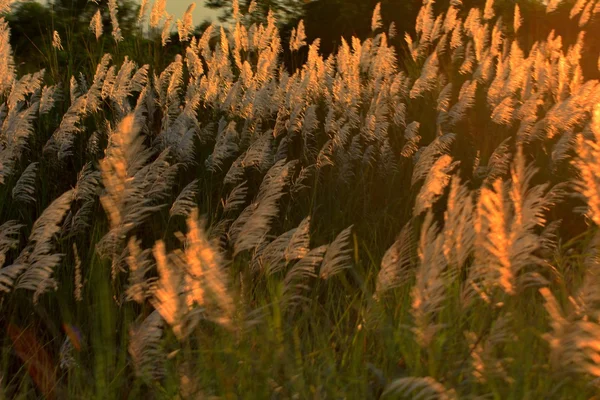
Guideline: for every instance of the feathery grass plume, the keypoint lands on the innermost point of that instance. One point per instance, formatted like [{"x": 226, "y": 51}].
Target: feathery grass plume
[
  {"x": 466, "y": 100},
  {"x": 113, "y": 9},
  {"x": 498, "y": 163},
  {"x": 165, "y": 36},
  {"x": 168, "y": 87},
  {"x": 62, "y": 139},
  {"x": 74, "y": 92},
  {"x": 7, "y": 65},
  {"x": 134, "y": 187},
  {"x": 185, "y": 26},
  {"x": 296, "y": 280},
  {"x": 421, "y": 388},
  {"x": 158, "y": 12},
  {"x": 38, "y": 258},
  {"x": 392, "y": 30},
  {"x": 506, "y": 240},
  {"x": 29, "y": 84},
  {"x": 56, "y": 42},
  {"x": 238, "y": 224},
  {"x": 235, "y": 10},
  {"x": 517, "y": 20},
  {"x": 536, "y": 201},
  {"x": 451, "y": 18},
  {"x": 269, "y": 257},
  {"x": 498, "y": 39},
  {"x": 577, "y": 8},
  {"x": 292, "y": 245},
  {"x": 338, "y": 256},
  {"x": 493, "y": 242},
  {"x": 145, "y": 347},
  {"x": 429, "y": 156},
  {"x": 252, "y": 7},
  {"x": 167, "y": 300},
  {"x": 429, "y": 292},
  {"x": 298, "y": 38},
  {"x": 299, "y": 244},
  {"x": 586, "y": 299},
  {"x": 437, "y": 179},
  {"x": 24, "y": 189},
  {"x": 96, "y": 24},
  {"x": 458, "y": 232},
  {"x": 424, "y": 23},
  {"x": 185, "y": 201},
  {"x": 376, "y": 18},
  {"x": 236, "y": 198},
  {"x": 260, "y": 153},
  {"x": 396, "y": 262},
  {"x": 469, "y": 62},
  {"x": 50, "y": 94},
  {"x": 206, "y": 281},
  {"x": 142, "y": 12},
  {"x": 9, "y": 274},
  {"x": 193, "y": 62},
  {"x": 587, "y": 14},
  {"x": 504, "y": 113},
  {"x": 263, "y": 211},
  {"x": 574, "y": 338},
  {"x": 411, "y": 134},
  {"x": 139, "y": 262},
  {"x": 124, "y": 157},
  {"x": 588, "y": 165},
  {"x": 226, "y": 146},
  {"x": 5, "y": 6},
  {"x": 47, "y": 224},
  {"x": 428, "y": 79},
  {"x": 444, "y": 98},
  {"x": 388, "y": 160},
  {"x": 88, "y": 182},
  {"x": 485, "y": 360},
  {"x": 17, "y": 127},
  {"x": 488, "y": 11},
  {"x": 9, "y": 232},
  {"x": 118, "y": 87},
  {"x": 78, "y": 280}
]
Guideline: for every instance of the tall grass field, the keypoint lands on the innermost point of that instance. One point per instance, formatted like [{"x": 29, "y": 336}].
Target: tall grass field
[{"x": 414, "y": 221}]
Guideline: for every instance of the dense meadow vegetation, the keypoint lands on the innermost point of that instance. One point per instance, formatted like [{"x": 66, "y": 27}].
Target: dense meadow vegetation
[{"x": 415, "y": 222}]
